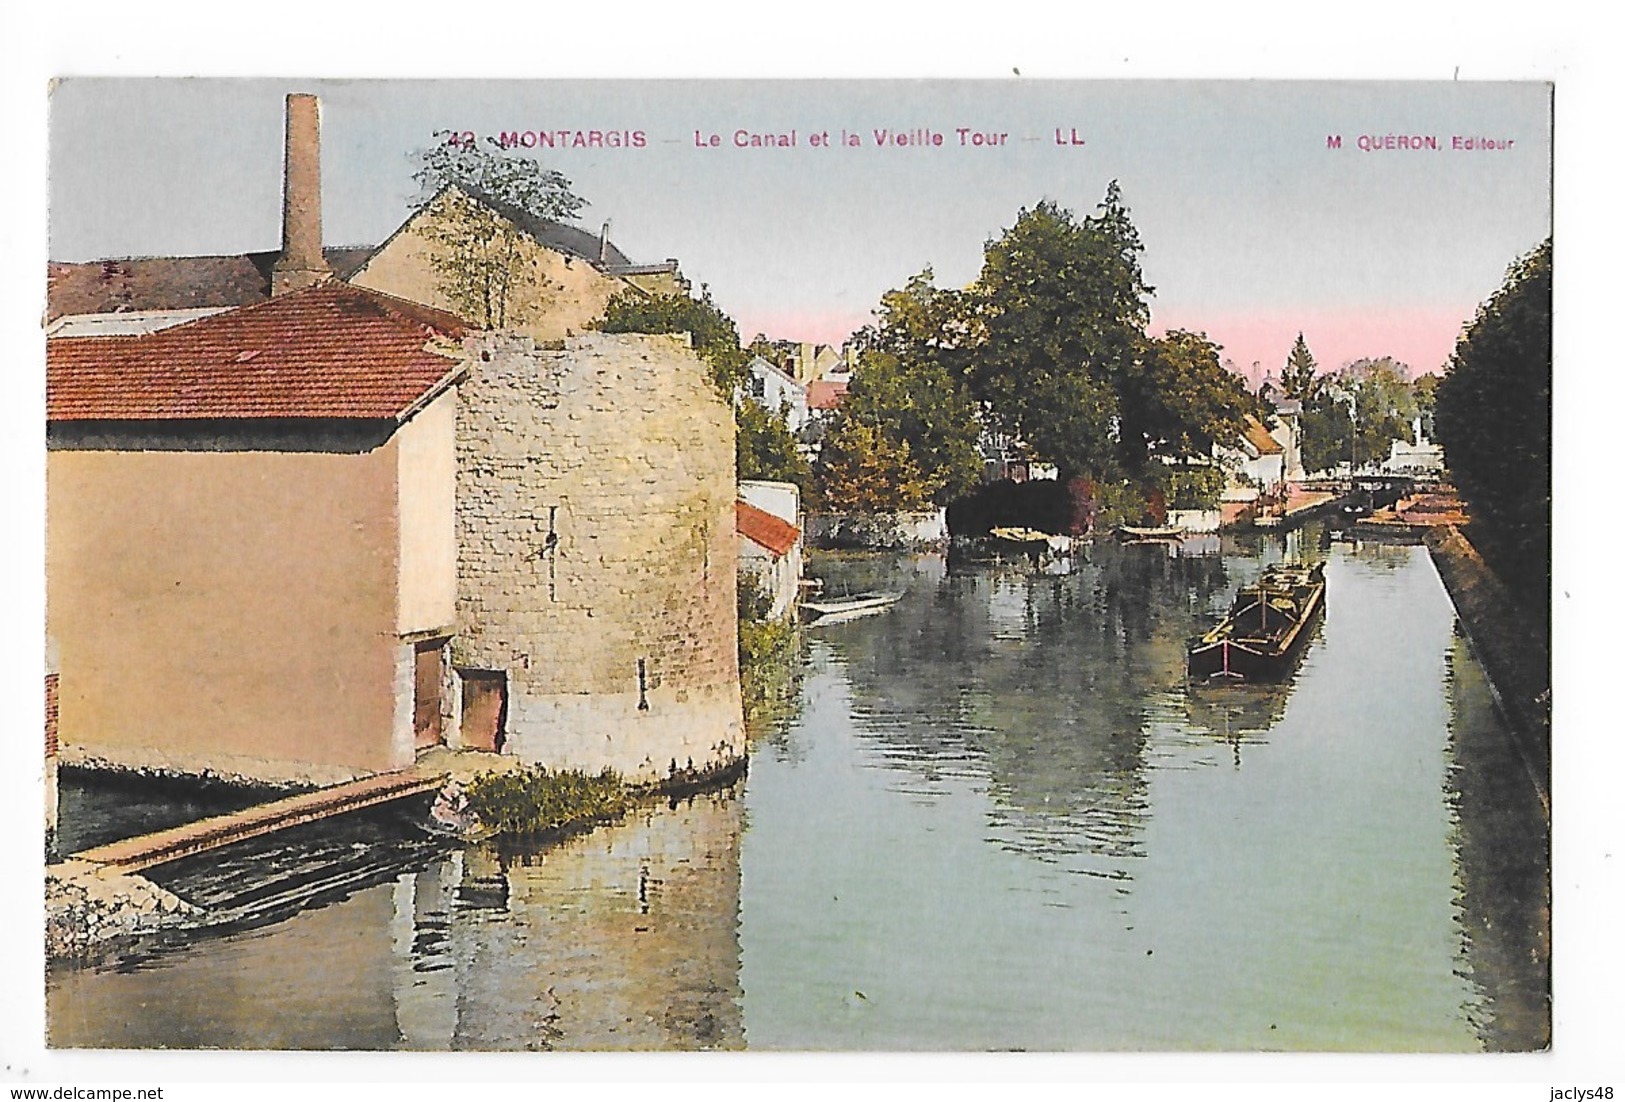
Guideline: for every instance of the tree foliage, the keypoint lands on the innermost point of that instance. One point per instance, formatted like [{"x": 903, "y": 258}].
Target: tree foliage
[
  {"x": 1425, "y": 392},
  {"x": 764, "y": 447},
  {"x": 1177, "y": 400},
  {"x": 1493, "y": 416},
  {"x": 1049, "y": 348},
  {"x": 862, "y": 469},
  {"x": 1298, "y": 378},
  {"x": 488, "y": 171},
  {"x": 1062, "y": 315},
  {"x": 909, "y": 385},
  {"x": 1383, "y": 409},
  {"x": 471, "y": 195}
]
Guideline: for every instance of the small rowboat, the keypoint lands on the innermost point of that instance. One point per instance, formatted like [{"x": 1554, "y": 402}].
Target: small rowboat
[
  {"x": 1132, "y": 533},
  {"x": 1029, "y": 541},
  {"x": 848, "y": 608},
  {"x": 1265, "y": 626}
]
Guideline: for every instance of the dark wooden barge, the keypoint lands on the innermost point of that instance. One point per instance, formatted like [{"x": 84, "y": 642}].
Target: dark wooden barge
[{"x": 1267, "y": 624}]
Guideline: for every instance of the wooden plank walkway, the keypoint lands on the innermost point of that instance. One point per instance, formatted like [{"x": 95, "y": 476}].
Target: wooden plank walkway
[{"x": 147, "y": 850}]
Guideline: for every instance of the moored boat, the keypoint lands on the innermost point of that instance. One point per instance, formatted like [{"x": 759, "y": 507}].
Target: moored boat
[
  {"x": 1134, "y": 533},
  {"x": 1028, "y": 541},
  {"x": 1267, "y": 623},
  {"x": 847, "y": 608}
]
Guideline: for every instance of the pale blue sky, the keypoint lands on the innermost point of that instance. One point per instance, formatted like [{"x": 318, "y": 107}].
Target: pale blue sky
[{"x": 1253, "y": 227}]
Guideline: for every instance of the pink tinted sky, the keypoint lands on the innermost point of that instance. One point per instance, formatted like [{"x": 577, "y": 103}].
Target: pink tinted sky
[
  {"x": 1255, "y": 224},
  {"x": 1421, "y": 338}
]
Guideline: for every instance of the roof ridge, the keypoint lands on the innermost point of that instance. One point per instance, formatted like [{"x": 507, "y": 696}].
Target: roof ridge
[{"x": 395, "y": 303}]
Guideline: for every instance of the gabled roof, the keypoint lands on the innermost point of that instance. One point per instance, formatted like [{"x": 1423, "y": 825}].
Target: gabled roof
[
  {"x": 763, "y": 366},
  {"x": 559, "y": 236},
  {"x": 1259, "y": 437},
  {"x": 764, "y": 529},
  {"x": 173, "y": 282},
  {"x": 330, "y": 351}
]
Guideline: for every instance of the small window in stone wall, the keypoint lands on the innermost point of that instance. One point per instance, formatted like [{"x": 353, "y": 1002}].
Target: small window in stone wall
[{"x": 550, "y": 551}]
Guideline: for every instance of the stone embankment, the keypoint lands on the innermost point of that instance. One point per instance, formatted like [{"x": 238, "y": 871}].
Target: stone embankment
[
  {"x": 1514, "y": 653},
  {"x": 89, "y": 907}
]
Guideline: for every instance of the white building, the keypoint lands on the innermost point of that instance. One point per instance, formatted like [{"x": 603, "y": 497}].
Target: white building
[
  {"x": 776, "y": 392},
  {"x": 768, "y": 518}
]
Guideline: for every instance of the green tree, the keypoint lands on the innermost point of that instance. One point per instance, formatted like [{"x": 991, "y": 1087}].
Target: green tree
[
  {"x": 474, "y": 197},
  {"x": 764, "y": 447},
  {"x": 1062, "y": 310},
  {"x": 909, "y": 384},
  {"x": 1298, "y": 375},
  {"x": 1493, "y": 415},
  {"x": 863, "y": 470},
  {"x": 1383, "y": 409},
  {"x": 1178, "y": 401},
  {"x": 1425, "y": 392}
]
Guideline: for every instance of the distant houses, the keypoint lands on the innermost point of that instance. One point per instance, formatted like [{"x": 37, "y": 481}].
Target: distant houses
[
  {"x": 770, "y": 387},
  {"x": 317, "y": 524},
  {"x": 802, "y": 382}
]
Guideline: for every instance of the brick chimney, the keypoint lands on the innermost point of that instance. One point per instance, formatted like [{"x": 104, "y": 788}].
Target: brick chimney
[{"x": 301, "y": 263}]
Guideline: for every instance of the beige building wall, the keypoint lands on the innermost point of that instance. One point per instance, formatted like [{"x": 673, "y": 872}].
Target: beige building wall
[
  {"x": 659, "y": 283},
  {"x": 567, "y": 294},
  {"x": 597, "y": 553},
  {"x": 229, "y": 613},
  {"x": 426, "y": 456}
]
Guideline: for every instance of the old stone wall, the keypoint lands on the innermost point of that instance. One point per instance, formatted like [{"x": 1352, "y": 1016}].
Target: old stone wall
[{"x": 597, "y": 554}]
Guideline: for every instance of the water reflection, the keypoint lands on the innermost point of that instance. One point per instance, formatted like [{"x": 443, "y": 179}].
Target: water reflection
[
  {"x": 1502, "y": 845},
  {"x": 1000, "y": 819},
  {"x": 625, "y": 938},
  {"x": 1045, "y": 685},
  {"x": 1304, "y": 894}
]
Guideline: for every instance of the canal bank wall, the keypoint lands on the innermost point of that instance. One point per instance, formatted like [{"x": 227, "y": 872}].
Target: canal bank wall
[
  {"x": 1516, "y": 659},
  {"x": 89, "y": 908},
  {"x": 877, "y": 531},
  {"x": 94, "y": 909}
]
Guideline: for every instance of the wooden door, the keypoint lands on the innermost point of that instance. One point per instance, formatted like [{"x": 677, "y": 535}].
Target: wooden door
[
  {"x": 427, "y": 726},
  {"x": 485, "y": 709}
]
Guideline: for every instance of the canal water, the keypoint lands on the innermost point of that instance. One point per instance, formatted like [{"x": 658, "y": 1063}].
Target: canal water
[{"x": 998, "y": 819}]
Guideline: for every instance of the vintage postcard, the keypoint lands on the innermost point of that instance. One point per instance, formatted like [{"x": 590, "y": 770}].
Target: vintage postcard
[{"x": 885, "y": 566}]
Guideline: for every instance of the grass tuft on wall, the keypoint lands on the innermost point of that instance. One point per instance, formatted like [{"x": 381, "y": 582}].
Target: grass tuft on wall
[{"x": 537, "y": 801}]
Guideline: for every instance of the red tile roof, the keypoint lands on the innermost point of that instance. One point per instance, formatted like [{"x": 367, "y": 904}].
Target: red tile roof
[
  {"x": 823, "y": 394},
  {"x": 173, "y": 282},
  {"x": 331, "y": 351},
  {"x": 764, "y": 528}
]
